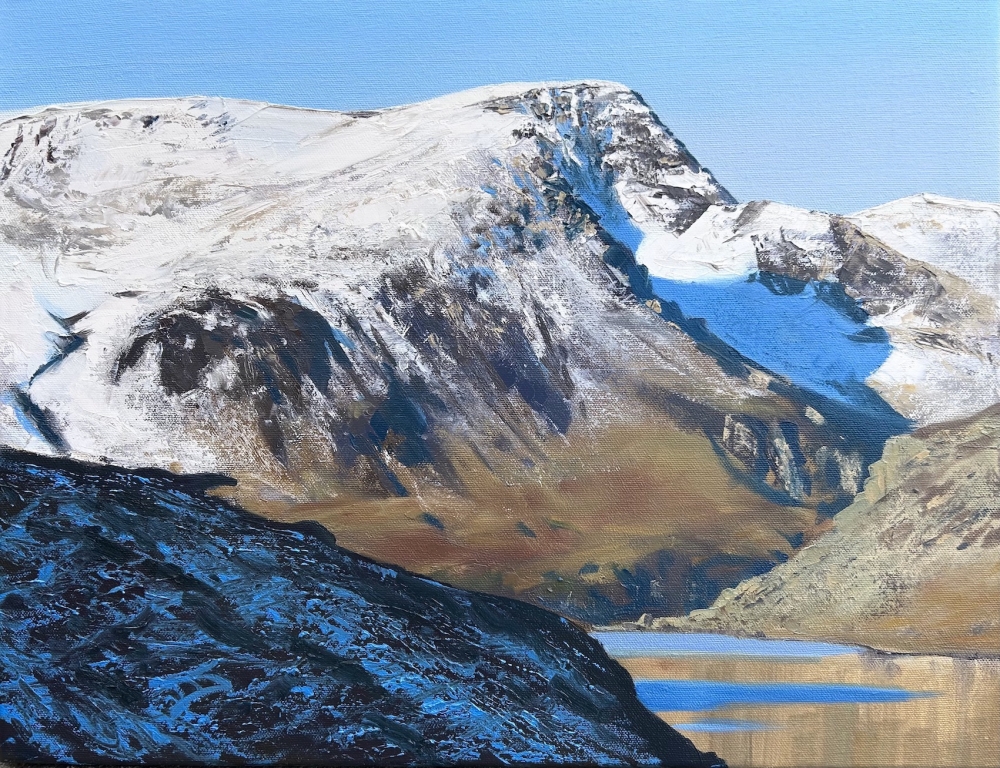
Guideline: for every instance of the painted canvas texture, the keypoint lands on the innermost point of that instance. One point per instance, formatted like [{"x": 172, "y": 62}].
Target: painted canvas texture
[{"x": 491, "y": 428}]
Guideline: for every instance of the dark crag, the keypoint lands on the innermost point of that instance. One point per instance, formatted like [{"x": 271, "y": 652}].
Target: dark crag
[{"x": 144, "y": 622}]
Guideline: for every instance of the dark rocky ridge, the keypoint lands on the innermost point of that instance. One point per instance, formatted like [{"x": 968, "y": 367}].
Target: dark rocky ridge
[{"x": 145, "y": 622}]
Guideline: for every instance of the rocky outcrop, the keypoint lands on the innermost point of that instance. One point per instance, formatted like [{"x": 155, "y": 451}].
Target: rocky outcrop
[
  {"x": 147, "y": 622},
  {"x": 920, "y": 273},
  {"x": 912, "y": 565}
]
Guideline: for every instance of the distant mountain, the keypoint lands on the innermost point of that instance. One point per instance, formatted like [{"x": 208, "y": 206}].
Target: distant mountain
[
  {"x": 145, "y": 622},
  {"x": 463, "y": 334},
  {"x": 913, "y": 565},
  {"x": 923, "y": 273}
]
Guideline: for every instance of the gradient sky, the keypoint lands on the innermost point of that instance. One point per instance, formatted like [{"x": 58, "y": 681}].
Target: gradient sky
[{"x": 825, "y": 104}]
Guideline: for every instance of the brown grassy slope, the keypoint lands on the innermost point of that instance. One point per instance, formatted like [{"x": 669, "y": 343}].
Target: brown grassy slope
[{"x": 651, "y": 499}]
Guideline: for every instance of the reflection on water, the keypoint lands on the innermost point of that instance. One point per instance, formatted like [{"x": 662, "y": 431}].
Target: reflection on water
[
  {"x": 703, "y": 695},
  {"x": 774, "y": 703}
]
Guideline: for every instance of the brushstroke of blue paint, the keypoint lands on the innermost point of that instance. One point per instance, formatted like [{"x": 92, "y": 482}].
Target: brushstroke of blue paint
[
  {"x": 723, "y": 726},
  {"x": 805, "y": 337},
  {"x": 705, "y": 695},
  {"x": 575, "y": 159}
]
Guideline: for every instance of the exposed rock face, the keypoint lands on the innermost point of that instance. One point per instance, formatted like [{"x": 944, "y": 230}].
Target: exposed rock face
[
  {"x": 912, "y": 565},
  {"x": 145, "y": 622}
]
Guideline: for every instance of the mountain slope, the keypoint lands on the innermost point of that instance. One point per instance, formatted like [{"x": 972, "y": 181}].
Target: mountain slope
[
  {"x": 913, "y": 565},
  {"x": 424, "y": 326},
  {"x": 340, "y": 211},
  {"x": 145, "y": 622},
  {"x": 443, "y": 330},
  {"x": 946, "y": 233}
]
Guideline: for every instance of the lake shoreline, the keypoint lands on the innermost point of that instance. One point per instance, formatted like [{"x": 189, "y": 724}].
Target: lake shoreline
[{"x": 631, "y": 627}]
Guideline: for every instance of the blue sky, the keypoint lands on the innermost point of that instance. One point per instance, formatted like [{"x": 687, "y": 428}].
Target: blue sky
[{"x": 820, "y": 103}]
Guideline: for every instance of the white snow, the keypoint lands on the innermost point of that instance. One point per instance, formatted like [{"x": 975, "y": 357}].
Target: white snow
[
  {"x": 960, "y": 236},
  {"x": 721, "y": 244},
  {"x": 110, "y": 212}
]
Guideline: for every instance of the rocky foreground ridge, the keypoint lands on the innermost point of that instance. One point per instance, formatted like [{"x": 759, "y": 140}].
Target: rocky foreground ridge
[{"x": 145, "y": 622}]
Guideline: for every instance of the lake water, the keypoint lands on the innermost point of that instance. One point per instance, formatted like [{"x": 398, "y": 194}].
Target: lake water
[{"x": 785, "y": 703}]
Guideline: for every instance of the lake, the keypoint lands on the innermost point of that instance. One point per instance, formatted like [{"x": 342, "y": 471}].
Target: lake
[{"x": 787, "y": 703}]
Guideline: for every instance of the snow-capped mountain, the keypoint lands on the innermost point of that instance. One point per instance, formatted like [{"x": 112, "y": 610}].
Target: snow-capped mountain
[
  {"x": 115, "y": 215},
  {"x": 465, "y": 333}
]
